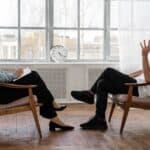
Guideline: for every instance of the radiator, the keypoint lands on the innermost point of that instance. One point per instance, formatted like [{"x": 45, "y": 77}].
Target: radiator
[
  {"x": 93, "y": 74},
  {"x": 55, "y": 80}
]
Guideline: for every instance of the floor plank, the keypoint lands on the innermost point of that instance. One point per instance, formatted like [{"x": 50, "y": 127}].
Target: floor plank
[{"x": 18, "y": 131}]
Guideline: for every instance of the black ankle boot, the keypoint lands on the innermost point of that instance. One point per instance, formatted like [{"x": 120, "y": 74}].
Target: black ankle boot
[
  {"x": 95, "y": 123},
  {"x": 53, "y": 126},
  {"x": 84, "y": 96}
]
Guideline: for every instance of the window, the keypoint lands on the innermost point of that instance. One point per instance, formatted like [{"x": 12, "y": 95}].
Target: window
[
  {"x": 88, "y": 29},
  {"x": 114, "y": 34},
  {"x": 22, "y": 29},
  {"x": 91, "y": 29},
  {"x": 8, "y": 39},
  {"x": 82, "y": 35}
]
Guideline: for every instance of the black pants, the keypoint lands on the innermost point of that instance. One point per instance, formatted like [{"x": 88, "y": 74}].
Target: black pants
[
  {"x": 110, "y": 81},
  {"x": 44, "y": 96}
]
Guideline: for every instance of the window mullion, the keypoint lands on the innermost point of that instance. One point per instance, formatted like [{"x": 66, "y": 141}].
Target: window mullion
[
  {"x": 106, "y": 29},
  {"x": 19, "y": 32},
  {"x": 50, "y": 25},
  {"x": 78, "y": 30},
  {"x": 47, "y": 28}
]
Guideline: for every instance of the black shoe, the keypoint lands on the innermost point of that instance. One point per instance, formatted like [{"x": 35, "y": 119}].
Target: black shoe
[
  {"x": 84, "y": 96},
  {"x": 53, "y": 126},
  {"x": 60, "y": 108},
  {"x": 95, "y": 123}
]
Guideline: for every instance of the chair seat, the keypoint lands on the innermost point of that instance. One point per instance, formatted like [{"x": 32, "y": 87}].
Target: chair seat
[
  {"x": 136, "y": 101},
  {"x": 20, "y": 102}
]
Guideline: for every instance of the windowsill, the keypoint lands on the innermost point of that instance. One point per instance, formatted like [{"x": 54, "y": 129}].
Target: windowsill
[{"x": 59, "y": 63}]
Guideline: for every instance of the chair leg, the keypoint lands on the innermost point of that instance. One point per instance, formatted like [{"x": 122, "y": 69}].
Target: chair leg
[
  {"x": 35, "y": 116},
  {"x": 34, "y": 112},
  {"x": 111, "y": 111},
  {"x": 125, "y": 115}
]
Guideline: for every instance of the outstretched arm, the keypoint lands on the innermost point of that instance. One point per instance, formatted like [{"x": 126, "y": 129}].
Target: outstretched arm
[
  {"x": 135, "y": 74},
  {"x": 146, "y": 68}
]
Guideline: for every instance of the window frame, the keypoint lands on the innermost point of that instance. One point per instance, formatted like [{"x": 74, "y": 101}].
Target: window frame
[
  {"x": 106, "y": 30},
  {"x": 78, "y": 29},
  {"x": 49, "y": 29},
  {"x": 19, "y": 28}
]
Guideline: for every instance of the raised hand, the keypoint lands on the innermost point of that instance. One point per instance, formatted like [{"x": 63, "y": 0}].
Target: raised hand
[{"x": 145, "y": 47}]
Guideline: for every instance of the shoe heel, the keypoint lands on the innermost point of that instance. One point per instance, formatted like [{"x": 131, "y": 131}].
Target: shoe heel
[{"x": 52, "y": 127}]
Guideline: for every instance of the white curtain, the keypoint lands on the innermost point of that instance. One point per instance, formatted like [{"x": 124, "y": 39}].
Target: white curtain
[{"x": 134, "y": 26}]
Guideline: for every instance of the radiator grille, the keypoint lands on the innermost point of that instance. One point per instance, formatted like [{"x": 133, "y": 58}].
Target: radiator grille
[
  {"x": 55, "y": 80},
  {"x": 93, "y": 74}
]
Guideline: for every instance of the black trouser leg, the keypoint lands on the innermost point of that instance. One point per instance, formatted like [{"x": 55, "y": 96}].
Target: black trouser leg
[
  {"x": 41, "y": 91},
  {"x": 111, "y": 81},
  {"x": 102, "y": 97},
  {"x": 44, "y": 96},
  {"x": 114, "y": 76}
]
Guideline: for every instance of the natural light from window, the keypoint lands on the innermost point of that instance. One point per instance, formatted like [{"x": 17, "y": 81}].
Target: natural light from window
[{"x": 30, "y": 28}]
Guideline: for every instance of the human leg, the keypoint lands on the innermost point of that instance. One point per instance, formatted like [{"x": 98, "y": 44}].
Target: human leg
[
  {"x": 111, "y": 81},
  {"x": 44, "y": 96},
  {"x": 104, "y": 87},
  {"x": 114, "y": 76}
]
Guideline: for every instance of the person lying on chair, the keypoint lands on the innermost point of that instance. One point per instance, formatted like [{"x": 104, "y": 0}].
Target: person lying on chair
[
  {"x": 112, "y": 81},
  {"x": 44, "y": 96}
]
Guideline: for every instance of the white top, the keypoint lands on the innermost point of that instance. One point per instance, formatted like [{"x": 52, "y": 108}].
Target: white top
[{"x": 144, "y": 91}]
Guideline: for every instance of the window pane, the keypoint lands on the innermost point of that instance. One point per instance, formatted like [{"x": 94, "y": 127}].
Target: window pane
[
  {"x": 68, "y": 39},
  {"x": 92, "y": 13},
  {"x": 91, "y": 44},
  {"x": 141, "y": 14},
  {"x": 114, "y": 45},
  {"x": 65, "y": 13},
  {"x": 8, "y": 44},
  {"x": 8, "y": 13},
  {"x": 33, "y": 13},
  {"x": 33, "y": 44},
  {"x": 125, "y": 14},
  {"x": 114, "y": 14}
]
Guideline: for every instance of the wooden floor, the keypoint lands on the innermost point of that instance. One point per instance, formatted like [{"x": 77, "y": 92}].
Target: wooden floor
[{"x": 18, "y": 132}]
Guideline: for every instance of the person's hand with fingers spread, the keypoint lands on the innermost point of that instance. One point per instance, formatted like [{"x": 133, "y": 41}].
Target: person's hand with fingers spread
[
  {"x": 146, "y": 67},
  {"x": 145, "y": 47}
]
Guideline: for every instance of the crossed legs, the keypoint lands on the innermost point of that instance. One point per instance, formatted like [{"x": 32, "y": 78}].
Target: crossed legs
[{"x": 110, "y": 81}]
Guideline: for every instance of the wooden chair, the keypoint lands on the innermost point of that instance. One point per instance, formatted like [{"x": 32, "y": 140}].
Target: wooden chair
[
  {"x": 126, "y": 101},
  {"x": 28, "y": 103}
]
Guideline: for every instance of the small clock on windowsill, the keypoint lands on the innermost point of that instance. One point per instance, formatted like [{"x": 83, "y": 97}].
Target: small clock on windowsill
[{"x": 58, "y": 53}]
